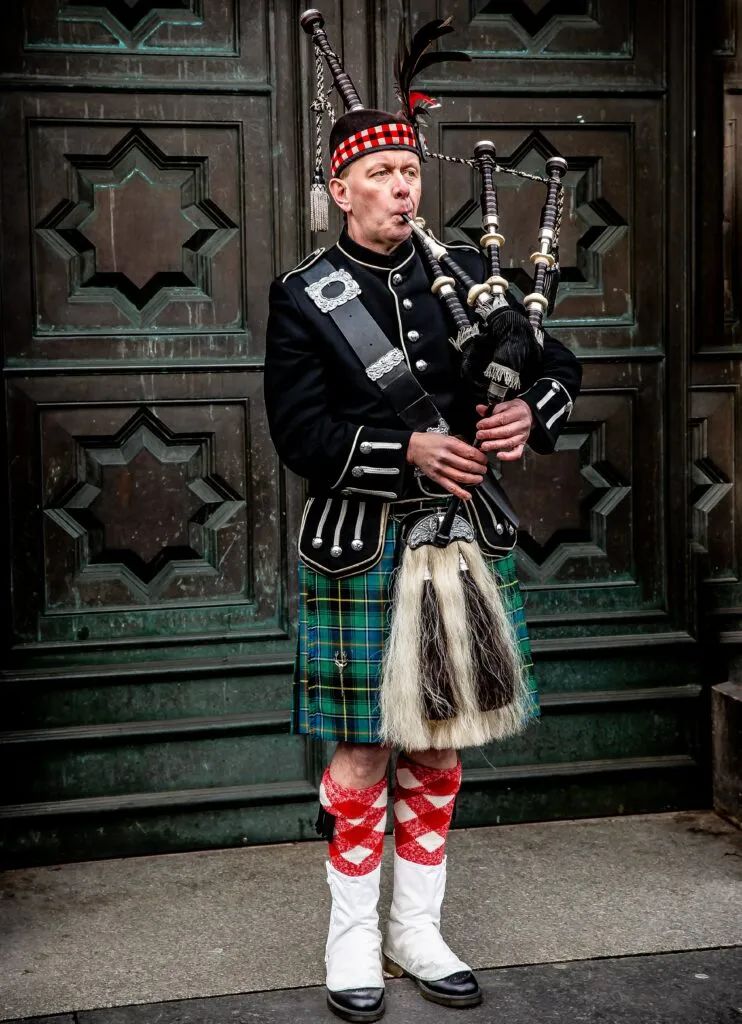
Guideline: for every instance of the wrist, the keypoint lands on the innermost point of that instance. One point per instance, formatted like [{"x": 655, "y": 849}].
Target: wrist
[{"x": 411, "y": 445}]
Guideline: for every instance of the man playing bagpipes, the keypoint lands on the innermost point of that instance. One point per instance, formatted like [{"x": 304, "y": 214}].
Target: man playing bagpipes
[{"x": 393, "y": 396}]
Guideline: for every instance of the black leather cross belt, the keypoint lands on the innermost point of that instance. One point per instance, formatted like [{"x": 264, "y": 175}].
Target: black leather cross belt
[{"x": 384, "y": 363}]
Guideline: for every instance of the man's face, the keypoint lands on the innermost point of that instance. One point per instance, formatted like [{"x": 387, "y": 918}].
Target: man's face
[{"x": 373, "y": 193}]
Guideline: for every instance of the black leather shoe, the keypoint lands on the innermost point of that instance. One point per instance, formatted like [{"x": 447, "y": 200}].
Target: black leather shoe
[
  {"x": 460, "y": 989},
  {"x": 357, "y": 1004}
]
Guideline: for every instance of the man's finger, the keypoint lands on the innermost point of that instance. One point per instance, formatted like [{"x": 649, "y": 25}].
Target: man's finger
[
  {"x": 500, "y": 405},
  {"x": 462, "y": 450},
  {"x": 466, "y": 465},
  {"x": 511, "y": 456},
  {"x": 451, "y": 479},
  {"x": 470, "y": 479},
  {"x": 499, "y": 419},
  {"x": 505, "y": 442},
  {"x": 490, "y": 423},
  {"x": 509, "y": 430},
  {"x": 453, "y": 488}
]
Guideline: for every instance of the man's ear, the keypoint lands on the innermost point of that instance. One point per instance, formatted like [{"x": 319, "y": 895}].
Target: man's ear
[{"x": 339, "y": 192}]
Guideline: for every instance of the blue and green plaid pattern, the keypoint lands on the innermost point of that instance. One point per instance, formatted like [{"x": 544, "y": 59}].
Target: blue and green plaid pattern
[{"x": 343, "y": 625}]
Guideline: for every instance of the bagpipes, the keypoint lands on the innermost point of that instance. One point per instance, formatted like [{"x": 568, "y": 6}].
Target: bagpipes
[{"x": 452, "y": 673}]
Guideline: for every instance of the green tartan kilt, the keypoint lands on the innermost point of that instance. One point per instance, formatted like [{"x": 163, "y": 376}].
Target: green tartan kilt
[{"x": 343, "y": 625}]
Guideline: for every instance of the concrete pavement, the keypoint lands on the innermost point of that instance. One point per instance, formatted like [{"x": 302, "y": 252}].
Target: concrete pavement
[{"x": 148, "y": 930}]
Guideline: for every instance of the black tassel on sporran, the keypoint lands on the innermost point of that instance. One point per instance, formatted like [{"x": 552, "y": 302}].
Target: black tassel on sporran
[{"x": 439, "y": 702}]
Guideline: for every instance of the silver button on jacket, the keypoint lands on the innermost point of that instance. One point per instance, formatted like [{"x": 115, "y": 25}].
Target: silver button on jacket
[
  {"x": 421, "y": 365},
  {"x": 397, "y": 279},
  {"x": 407, "y": 303},
  {"x": 413, "y": 335}
]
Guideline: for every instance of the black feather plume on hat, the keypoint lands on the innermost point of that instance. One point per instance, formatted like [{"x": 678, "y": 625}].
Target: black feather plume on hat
[{"x": 413, "y": 58}]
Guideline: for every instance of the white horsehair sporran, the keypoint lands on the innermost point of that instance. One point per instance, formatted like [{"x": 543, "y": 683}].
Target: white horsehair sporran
[{"x": 452, "y": 672}]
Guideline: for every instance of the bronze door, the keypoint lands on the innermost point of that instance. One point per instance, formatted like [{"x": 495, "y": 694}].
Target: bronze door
[{"x": 155, "y": 171}]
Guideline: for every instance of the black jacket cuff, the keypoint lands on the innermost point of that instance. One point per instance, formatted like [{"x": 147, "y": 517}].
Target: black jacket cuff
[
  {"x": 376, "y": 464},
  {"x": 551, "y": 405}
]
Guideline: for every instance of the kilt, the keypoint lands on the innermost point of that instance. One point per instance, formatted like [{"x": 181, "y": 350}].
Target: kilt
[{"x": 342, "y": 627}]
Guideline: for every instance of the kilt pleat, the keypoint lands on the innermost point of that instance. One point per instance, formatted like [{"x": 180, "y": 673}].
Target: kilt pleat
[{"x": 342, "y": 628}]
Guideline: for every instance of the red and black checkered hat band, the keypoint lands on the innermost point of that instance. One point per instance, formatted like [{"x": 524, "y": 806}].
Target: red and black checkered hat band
[{"x": 395, "y": 135}]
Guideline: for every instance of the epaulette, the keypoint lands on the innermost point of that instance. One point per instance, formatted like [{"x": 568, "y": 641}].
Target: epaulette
[{"x": 306, "y": 262}]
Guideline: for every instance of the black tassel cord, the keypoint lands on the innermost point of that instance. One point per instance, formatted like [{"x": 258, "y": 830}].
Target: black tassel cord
[
  {"x": 319, "y": 201},
  {"x": 439, "y": 702},
  {"x": 493, "y": 682}
]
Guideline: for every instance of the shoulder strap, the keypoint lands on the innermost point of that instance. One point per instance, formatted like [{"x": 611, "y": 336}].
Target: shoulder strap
[
  {"x": 304, "y": 263},
  {"x": 336, "y": 293}
]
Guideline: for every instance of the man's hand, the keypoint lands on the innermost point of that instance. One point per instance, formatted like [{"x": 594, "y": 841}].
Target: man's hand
[
  {"x": 448, "y": 461},
  {"x": 507, "y": 430}
]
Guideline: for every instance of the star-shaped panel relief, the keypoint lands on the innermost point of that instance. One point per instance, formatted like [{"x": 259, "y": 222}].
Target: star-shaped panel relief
[
  {"x": 145, "y": 507},
  {"x": 132, "y": 22},
  {"x": 140, "y": 229},
  {"x": 583, "y": 490},
  {"x": 590, "y": 226},
  {"x": 538, "y": 19}
]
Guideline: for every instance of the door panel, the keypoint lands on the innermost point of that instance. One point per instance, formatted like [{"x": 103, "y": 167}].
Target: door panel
[
  {"x": 136, "y": 210},
  {"x": 156, "y": 498},
  {"x": 603, "y": 42},
  {"x": 196, "y": 44}
]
